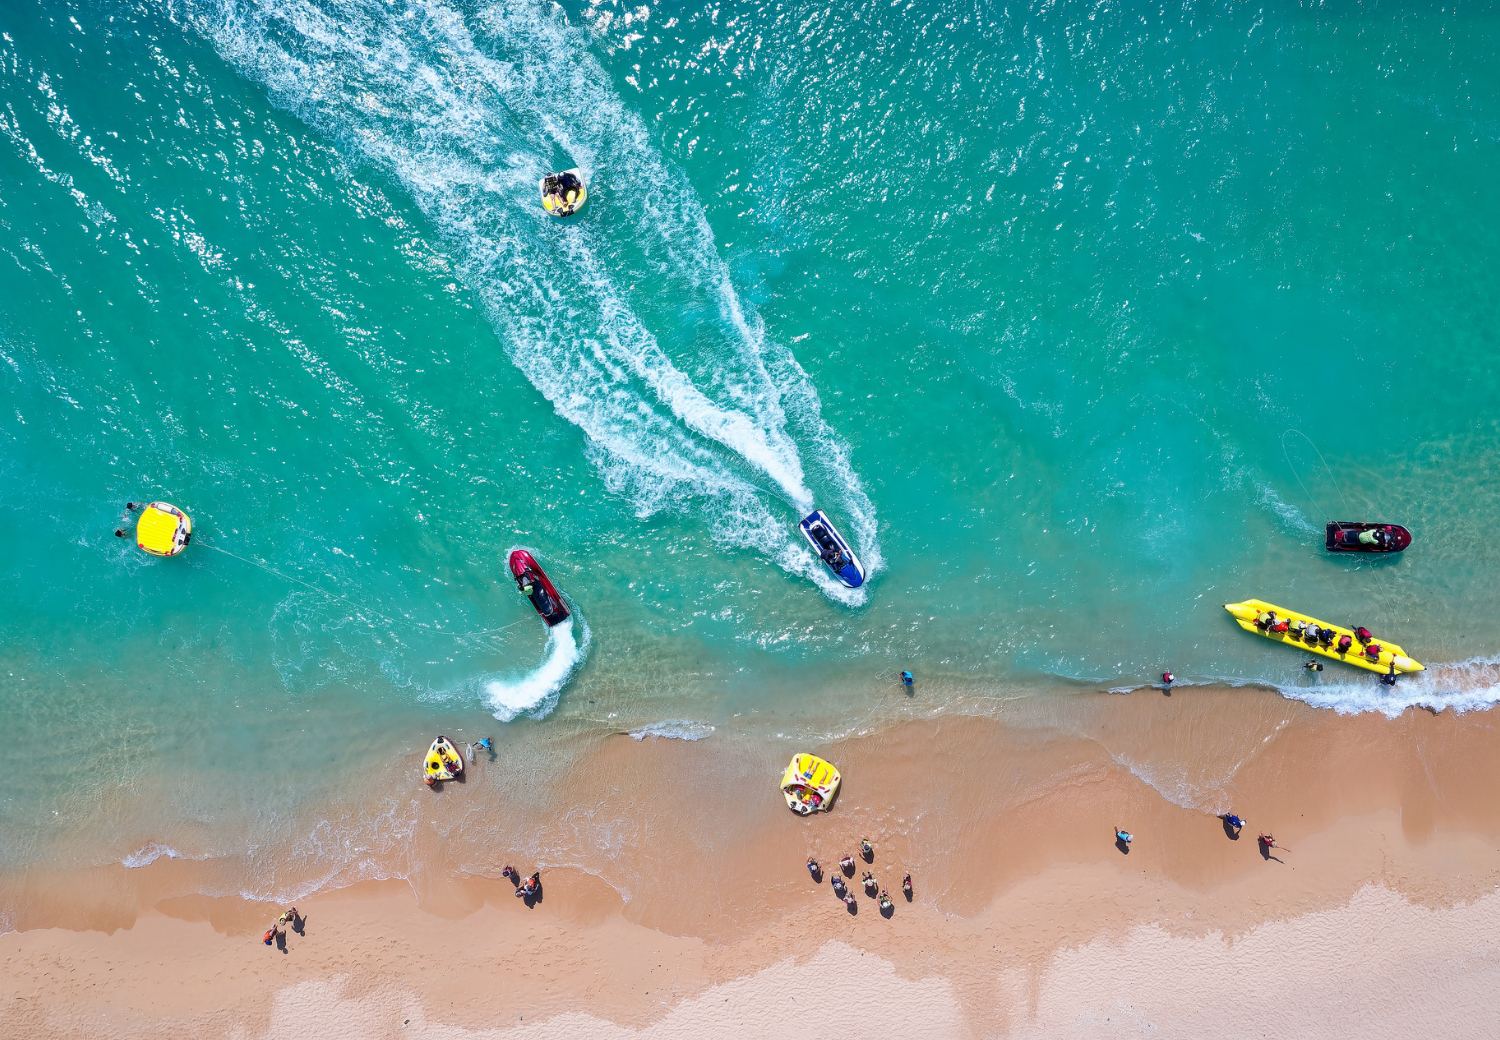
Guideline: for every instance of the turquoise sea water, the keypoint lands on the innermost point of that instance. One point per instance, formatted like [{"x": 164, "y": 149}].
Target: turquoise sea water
[{"x": 1080, "y": 320}]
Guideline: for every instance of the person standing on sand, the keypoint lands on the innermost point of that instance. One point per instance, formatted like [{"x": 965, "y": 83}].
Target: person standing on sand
[
  {"x": 906, "y": 887},
  {"x": 867, "y": 850},
  {"x": 1234, "y": 822},
  {"x": 813, "y": 868},
  {"x": 1123, "y": 837},
  {"x": 847, "y": 865},
  {"x": 1267, "y": 842}
]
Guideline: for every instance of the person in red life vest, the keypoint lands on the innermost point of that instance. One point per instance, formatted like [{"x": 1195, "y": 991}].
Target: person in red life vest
[
  {"x": 1372, "y": 651},
  {"x": 1345, "y": 643},
  {"x": 1363, "y": 635}
]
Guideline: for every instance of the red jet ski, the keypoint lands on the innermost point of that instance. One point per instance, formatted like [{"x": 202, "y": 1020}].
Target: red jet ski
[
  {"x": 1352, "y": 536},
  {"x": 537, "y": 587}
]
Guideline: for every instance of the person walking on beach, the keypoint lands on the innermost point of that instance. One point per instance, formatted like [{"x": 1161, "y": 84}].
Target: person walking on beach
[
  {"x": 813, "y": 869},
  {"x": 906, "y": 887},
  {"x": 1123, "y": 839},
  {"x": 1234, "y": 823},
  {"x": 1267, "y": 842},
  {"x": 1167, "y": 679},
  {"x": 867, "y": 850}
]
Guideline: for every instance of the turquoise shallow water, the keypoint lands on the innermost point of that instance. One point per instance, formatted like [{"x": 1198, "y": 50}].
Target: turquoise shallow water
[{"x": 1080, "y": 319}]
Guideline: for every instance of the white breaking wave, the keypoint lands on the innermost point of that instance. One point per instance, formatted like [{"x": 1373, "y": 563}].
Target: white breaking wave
[
  {"x": 1471, "y": 685},
  {"x": 467, "y": 109},
  {"x": 151, "y": 852},
  {"x": 536, "y": 693},
  {"x": 673, "y": 729}
]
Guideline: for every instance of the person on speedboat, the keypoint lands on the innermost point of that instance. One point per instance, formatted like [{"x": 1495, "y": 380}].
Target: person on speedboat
[{"x": 1380, "y": 538}]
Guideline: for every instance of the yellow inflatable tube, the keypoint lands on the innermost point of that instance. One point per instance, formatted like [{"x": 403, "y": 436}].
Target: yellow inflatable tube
[
  {"x": 442, "y": 762},
  {"x": 810, "y": 784},
  {"x": 1246, "y": 612},
  {"x": 163, "y": 529}
]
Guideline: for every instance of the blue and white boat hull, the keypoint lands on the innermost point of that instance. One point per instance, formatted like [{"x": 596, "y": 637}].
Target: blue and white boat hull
[{"x": 833, "y": 549}]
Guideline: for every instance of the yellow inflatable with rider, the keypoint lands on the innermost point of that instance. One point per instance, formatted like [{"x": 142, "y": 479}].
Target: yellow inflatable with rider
[{"x": 564, "y": 194}]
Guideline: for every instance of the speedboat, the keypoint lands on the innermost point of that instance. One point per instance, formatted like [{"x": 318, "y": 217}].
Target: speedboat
[
  {"x": 564, "y": 194},
  {"x": 163, "y": 529},
  {"x": 1354, "y": 536},
  {"x": 809, "y": 784},
  {"x": 537, "y": 587},
  {"x": 443, "y": 762},
  {"x": 832, "y": 549},
  {"x": 1387, "y": 658}
]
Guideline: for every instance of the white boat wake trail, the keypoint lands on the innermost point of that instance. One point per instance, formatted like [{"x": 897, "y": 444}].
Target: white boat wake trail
[
  {"x": 536, "y": 692},
  {"x": 466, "y": 108}
]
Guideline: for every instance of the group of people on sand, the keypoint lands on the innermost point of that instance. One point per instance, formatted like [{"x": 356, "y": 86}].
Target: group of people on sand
[
  {"x": 871, "y": 886},
  {"x": 530, "y": 889},
  {"x": 1233, "y": 824},
  {"x": 276, "y": 934}
]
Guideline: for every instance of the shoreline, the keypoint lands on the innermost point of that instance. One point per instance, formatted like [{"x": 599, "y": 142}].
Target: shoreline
[{"x": 1004, "y": 825}]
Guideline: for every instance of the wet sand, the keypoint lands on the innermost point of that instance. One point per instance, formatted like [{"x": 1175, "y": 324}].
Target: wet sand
[{"x": 1028, "y": 921}]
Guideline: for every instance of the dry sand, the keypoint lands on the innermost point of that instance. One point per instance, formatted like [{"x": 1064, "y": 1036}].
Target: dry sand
[{"x": 1027, "y": 922}]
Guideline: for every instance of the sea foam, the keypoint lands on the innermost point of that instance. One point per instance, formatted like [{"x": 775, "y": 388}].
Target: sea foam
[{"x": 536, "y": 693}]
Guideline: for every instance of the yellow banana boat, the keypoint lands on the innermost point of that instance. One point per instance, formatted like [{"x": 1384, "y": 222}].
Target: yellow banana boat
[{"x": 1389, "y": 654}]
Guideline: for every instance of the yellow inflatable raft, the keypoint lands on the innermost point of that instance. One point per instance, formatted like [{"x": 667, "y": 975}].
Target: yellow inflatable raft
[
  {"x": 443, "y": 762},
  {"x": 163, "y": 529},
  {"x": 809, "y": 784},
  {"x": 1389, "y": 653},
  {"x": 564, "y": 194}
]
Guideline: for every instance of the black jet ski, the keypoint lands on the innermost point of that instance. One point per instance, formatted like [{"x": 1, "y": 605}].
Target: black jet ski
[{"x": 1354, "y": 536}]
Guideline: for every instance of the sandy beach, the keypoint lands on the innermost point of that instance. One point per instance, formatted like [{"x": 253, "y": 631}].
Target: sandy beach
[{"x": 1027, "y": 920}]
